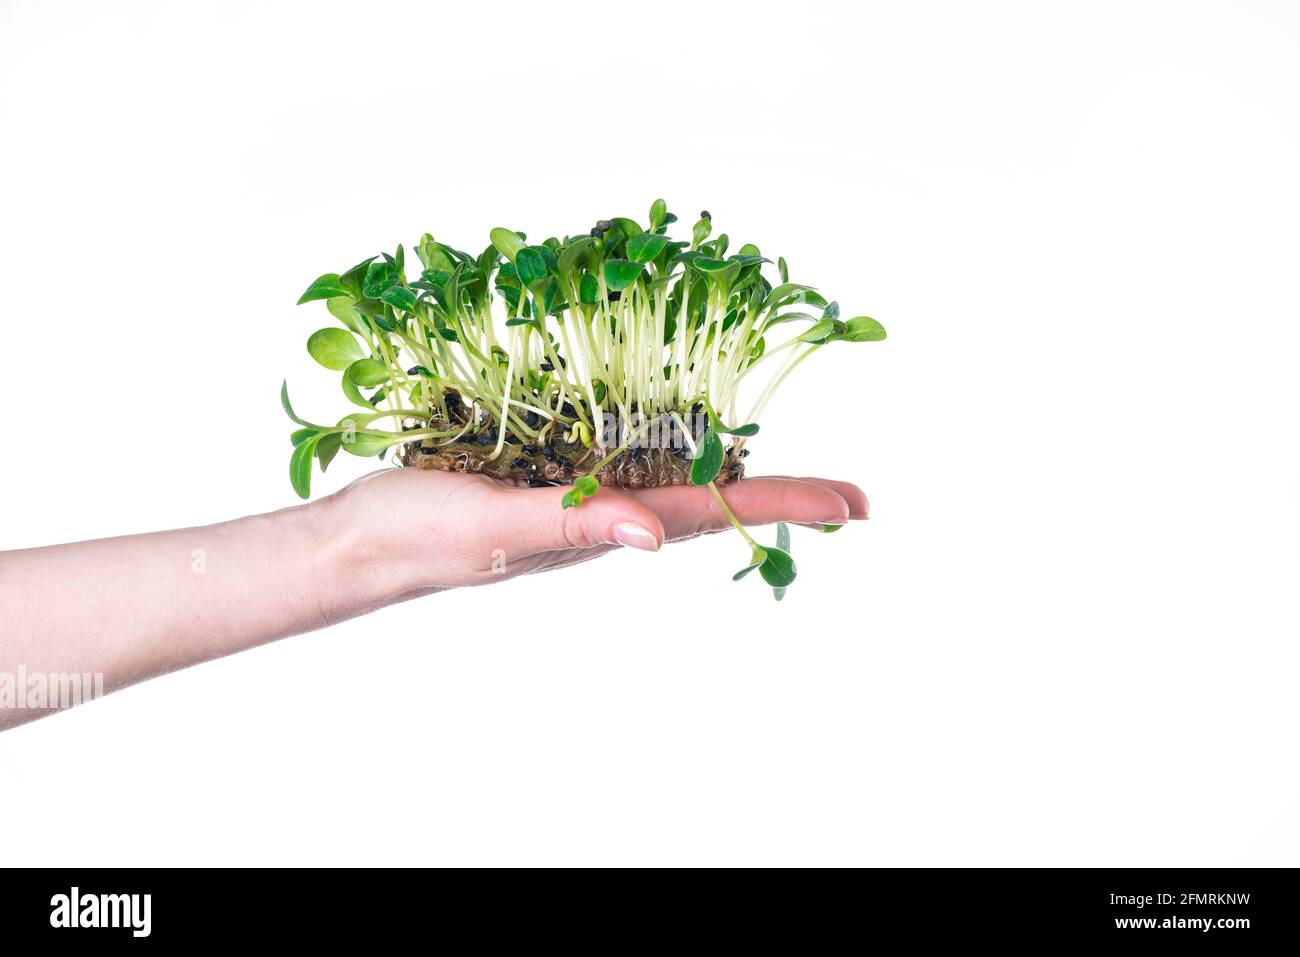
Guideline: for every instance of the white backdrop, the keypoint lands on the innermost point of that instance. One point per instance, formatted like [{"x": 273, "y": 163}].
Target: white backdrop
[{"x": 1067, "y": 635}]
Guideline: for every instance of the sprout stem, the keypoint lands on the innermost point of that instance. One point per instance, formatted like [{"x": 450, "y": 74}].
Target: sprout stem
[{"x": 731, "y": 516}]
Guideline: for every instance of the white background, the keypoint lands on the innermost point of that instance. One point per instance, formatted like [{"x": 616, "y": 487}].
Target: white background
[{"x": 1066, "y": 636}]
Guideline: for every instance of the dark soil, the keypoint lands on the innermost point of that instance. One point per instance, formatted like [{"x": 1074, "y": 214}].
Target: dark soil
[{"x": 559, "y": 462}]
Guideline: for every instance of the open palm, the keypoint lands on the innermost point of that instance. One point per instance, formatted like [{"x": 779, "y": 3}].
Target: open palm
[{"x": 451, "y": 530}]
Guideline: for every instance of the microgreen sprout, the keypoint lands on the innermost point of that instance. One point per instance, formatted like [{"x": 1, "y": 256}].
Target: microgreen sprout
[{"x": 615, "y": 356}]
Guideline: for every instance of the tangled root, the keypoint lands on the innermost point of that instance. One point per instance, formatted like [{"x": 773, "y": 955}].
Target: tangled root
[{"x": 559, "y": 462}]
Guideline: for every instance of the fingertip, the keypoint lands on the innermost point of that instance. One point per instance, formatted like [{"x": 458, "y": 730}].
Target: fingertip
[
  {"x": 854, "y": 498},
  {"x": 633, "y": 535},
  {"x": 763, "y": 500}
]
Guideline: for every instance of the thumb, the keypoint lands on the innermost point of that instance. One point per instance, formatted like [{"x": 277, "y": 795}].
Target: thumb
[{"x": 607, "y": 518}]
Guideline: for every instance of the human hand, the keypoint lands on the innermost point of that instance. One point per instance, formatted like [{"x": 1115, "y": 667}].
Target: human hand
[
  {"x": 138, "y": 606},
  {"x": 431, "y": 530}
]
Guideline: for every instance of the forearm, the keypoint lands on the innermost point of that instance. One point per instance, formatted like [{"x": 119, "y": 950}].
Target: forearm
[{"x": 134, "y": 607}]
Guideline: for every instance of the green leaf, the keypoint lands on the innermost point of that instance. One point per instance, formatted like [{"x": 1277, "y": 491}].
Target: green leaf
[
  {"x": 588, "y": 289},
  {"x": 756, "y": 559},
  {"x": 354, "y": 277},
  {"x": 334, "y": 348},
  {"x": 511, "y": 295},
  {"x": 779, "y": 571},
  {"x": 790, "y": 317},
  {"x": 327, "y": 448},
  {"x": 353, "y": 393},
  {"x": 399, "y": 297},
  {"x": 573, "y": 255},
  {"x": 832, "y": 311},
  {"x": 572, "y": 499},
  {"x": 366, "y": 444},
  {"x": 431, "y": 255},
  {"x": 831, "y": 528},
  {"x": 587, "y": 485},
  {"x": 792, "y": 291},
  {"x": 302, "y": 435},
  {"x": 488, "y": 259},
  {"x": 507, "y": 242},
  {"x": 863, "y": 329},
  {"x": 708, "y": 459},
  {"x": 379, "y": 276},
  {"x": 553, "y": 303},
  {"x": 327, "y": 286},
  {"x": 300, "y": 466},
  {"x": 644, "y": 247},
  {"x": 778, "y": 568},
  {"x": 700, "y": 231},
  {"x": 284, "y": 401},
  {"x": 706, "y": 264},
  {"x": 345, "y": 312},
  {"x": 628, "y": 227},
  {"x": 715, "y": 423},
  {"x": 368, "y": 373},
  {"x": 619, "y": 274},
  {"x": 658, "y": 213},
  {"x": 548, "y": 256},
  {"x": 370, "y": 307},
  {"x": 822, "y": 331},
  {"x": 530, "y": 265}
]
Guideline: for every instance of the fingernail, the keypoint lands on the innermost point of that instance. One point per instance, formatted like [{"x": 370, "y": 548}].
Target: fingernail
[{"x": 634, "y": 536}]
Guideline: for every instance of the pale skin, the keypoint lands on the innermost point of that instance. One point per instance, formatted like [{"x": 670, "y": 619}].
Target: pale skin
[{"x": 140, "y": 606}]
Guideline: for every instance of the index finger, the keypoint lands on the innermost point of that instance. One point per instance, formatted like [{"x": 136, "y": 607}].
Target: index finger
[{"x": 689, "y": 510}]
